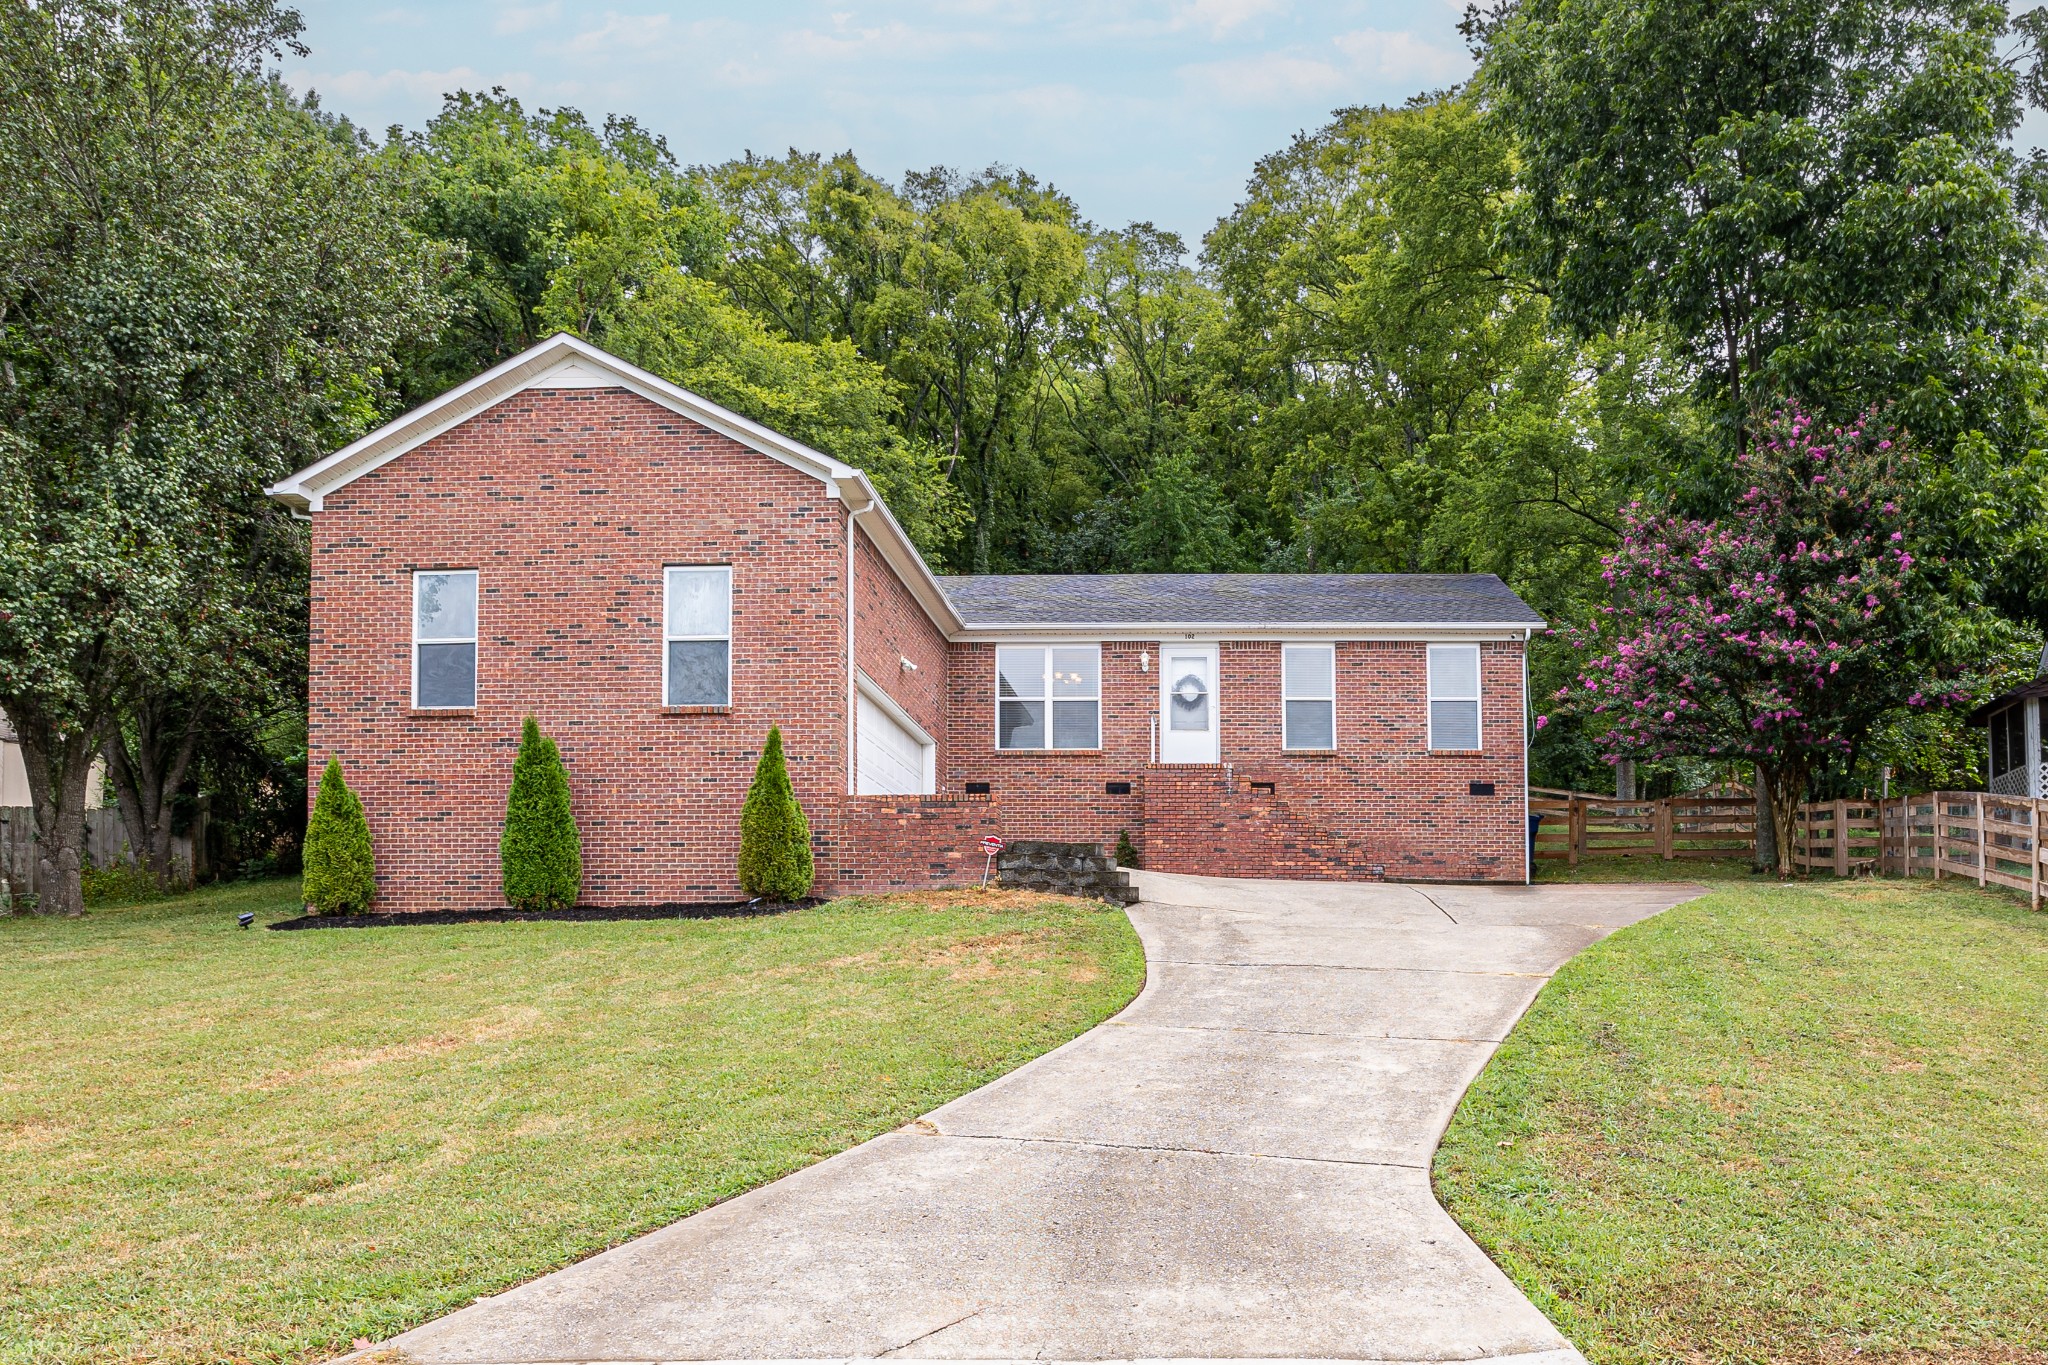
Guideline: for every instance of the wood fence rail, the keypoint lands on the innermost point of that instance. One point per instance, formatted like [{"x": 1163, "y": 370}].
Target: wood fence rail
[
  {"x": 1696, "y": 825},
  {"x": 1994, "y": 840}
]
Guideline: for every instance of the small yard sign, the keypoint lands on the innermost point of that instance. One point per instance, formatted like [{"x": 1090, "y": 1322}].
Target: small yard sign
[{"x": 991, "y": 845}]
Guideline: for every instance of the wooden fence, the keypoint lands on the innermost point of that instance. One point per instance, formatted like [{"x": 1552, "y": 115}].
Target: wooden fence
[
  {"x": 106, "y": 843},
  {"x": 1697, "y": 825},
  {"x": 1992, "y": 840}
]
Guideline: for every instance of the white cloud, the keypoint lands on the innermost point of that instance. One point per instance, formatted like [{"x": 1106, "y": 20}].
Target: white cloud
[
  {"x": 1363, "y": 56},
  {"x": 644, "y": 36},
  {"x": 1402, "y": 55},
  {"x": 1219, "y": 17},
  {"x": 521, "y": 18}
]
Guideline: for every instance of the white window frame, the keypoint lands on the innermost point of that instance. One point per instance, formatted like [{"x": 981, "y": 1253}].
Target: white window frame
[
  {"x": 667, "y": 639},
  {"x": 473, "y": 641},
  {"x": 1045, "y": 696},
  {"x": 1287, "y": 695},
  {"x": 1478, "y": 705}
]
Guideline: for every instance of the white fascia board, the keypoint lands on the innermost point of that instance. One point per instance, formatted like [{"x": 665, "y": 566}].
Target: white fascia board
[
  {"x": 1251, "y": 630},
  {"x": 577, "y": 364}
]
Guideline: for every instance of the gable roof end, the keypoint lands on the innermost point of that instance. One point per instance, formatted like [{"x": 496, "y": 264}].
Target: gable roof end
[{"x": 568, "y": 362}]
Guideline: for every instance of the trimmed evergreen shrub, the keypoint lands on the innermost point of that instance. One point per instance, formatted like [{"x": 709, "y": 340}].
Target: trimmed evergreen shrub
[
  {"x": 1126, "y": 851},
  {"x": 775, "y": 839},
  {"x": 340, "y": 875},
  {"x": 541, "y": 852}
]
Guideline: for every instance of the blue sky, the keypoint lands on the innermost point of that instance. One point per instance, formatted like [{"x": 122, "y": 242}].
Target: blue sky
[{"x": 1138, "y": 110}]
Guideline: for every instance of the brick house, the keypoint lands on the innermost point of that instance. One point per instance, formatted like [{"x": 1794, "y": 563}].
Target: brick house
[{"x": 659, "y": 580}]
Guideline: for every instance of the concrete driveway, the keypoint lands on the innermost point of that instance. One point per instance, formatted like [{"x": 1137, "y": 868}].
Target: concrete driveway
[{"x": 1236, "y": 1166}]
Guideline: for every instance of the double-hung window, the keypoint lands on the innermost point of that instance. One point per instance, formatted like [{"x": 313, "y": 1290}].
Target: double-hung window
[
  {"x": 444, "y": 639},
  {"x": 1454, "y": 696},
  {"x": 696, "y": 664},
  {"x": 1049, "y": 698},
  {"x": 1308, "y": 693}
]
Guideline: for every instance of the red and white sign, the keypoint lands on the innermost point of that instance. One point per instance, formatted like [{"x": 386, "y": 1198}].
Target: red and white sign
[{"x": 993, "y": 845}]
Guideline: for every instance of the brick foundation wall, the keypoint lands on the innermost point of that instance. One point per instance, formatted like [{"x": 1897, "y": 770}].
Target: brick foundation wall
[
  {"x": 900, "y": 843},
  {"x": 569, "y": 502}
]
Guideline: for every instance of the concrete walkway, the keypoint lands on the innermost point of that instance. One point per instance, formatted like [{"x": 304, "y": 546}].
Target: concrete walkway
[{"x": 1236, "y": 1166}]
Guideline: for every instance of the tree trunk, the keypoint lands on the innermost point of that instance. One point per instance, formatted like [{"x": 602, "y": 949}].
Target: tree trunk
[
  {"x": 1787, "y": 785},
  {"x": 1766, "y": 830},
  {"x": 58, "y": 766},
  {"x": 146, "y": 779},
  {"x": 1624, "y": 779}
]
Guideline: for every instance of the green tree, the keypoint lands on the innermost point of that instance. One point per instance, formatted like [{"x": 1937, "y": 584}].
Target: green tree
[
  {"x": 1405, "y": 403},
  {"x": 200, "y": 278},
  {"x": 541, "y": 853},
  {"x": 775, "y": 839},
  {"x": 1817, "y": 201},
  {"x": 515, "y": 192},
  {"x": 341, "y": 867}
]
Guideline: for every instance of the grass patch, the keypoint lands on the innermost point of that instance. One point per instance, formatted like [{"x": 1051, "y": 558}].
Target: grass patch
[
  {"x": 1779, "y": 1123},
  {"x": 1550, "y": 871},
  {"x": 222, "y": 1145}
]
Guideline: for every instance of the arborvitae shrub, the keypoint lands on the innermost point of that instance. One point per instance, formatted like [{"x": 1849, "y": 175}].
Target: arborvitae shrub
[
  {"x": 340, "y": 870},
  {"x": 541, "y": 853},
  {"x": 1126, "y": 851},
  {"x": 775, "y": 839}
]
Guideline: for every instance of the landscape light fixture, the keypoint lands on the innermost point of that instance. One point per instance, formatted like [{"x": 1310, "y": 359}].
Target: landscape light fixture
[{"x": 246, "y": 918}]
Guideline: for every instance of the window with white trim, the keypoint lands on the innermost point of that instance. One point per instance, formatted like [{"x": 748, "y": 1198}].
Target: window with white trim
[
  {"x": 1308, "y": 696},
  {"x": 1454, "y": 696},
  {"x": 696, "y": 648},
  {"x": 1049, "y": 698},
  {"x": 444, "y": 639}
]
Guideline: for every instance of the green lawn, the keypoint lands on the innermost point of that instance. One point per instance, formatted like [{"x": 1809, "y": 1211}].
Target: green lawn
[
  {"x": 222, "y": 1146},
  {"x": 1780, "y": 1123}
]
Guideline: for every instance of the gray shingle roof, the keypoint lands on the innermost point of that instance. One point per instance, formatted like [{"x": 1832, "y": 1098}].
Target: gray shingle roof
[{"x": 1236, "y": 599}]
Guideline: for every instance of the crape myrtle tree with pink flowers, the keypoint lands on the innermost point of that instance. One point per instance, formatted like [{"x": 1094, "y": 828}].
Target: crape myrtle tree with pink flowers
[{"x": 1782, "y": 632}]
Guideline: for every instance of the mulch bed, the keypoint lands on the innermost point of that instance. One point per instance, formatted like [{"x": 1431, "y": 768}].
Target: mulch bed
[{"x": 671, "y": 910}]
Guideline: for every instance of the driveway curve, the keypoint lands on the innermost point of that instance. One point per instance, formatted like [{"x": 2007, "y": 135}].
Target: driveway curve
[{"x": 1236, "y": 1166}]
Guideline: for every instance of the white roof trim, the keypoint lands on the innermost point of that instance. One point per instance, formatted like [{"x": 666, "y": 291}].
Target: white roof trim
[
  {"x": 1251, "y": 630},
  {"x": 568, "y": 362},
  {"x": 561, "y": 361}
]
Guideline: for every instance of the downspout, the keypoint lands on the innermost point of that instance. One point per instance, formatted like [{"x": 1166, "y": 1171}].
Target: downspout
[
  {"x": 1528, "y": 737},
  {"x": 852, "y": 701}
]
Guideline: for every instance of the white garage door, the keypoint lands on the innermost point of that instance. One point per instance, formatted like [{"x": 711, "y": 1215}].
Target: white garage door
[{"x": 892, "y": 759}]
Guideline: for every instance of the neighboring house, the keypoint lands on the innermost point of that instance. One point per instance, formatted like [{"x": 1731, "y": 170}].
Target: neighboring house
[
  {"x": 2013, "y": 719},
  {"x": 658, "y": 580}
]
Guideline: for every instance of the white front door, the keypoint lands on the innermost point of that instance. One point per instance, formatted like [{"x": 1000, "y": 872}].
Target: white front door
[{"x": 1187, "y": 704}]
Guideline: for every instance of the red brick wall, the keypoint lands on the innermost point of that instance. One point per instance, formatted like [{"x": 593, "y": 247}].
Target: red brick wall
[
  {"x": 1056, "y": 794},
  {"x": 569, "y": 502},
  {"x": 902, "y": 843},
  {"x": 1382, "y": 799},
  {"x": 889, "y": 627}
]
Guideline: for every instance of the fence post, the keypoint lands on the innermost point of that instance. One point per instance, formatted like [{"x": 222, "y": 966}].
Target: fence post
[
  {"x": 1841, "y": 838},
  {"x": 1664, "y": 822},
  {"x": 1576, "y": 824},
  {"x": 2034, "y": 854},
  {"x": 1980, "y": 838},
  {"x": 1939, "y": 805}
]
